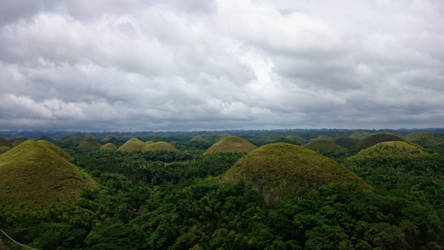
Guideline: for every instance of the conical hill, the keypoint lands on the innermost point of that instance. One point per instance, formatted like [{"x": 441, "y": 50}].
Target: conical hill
[
  {"x": 324, "y": 146},
  {"x": 391, "y": 149},
  {"x": 108, "y": 146},
  {"x": 37, "y": 174},
  {"x": 377, "y": 138},
  {"x": 231, "y": 144},
  {"x": 132, "y": 145},
  {"x": 284, "y": 170},
  {"x": 158, "y": 146}
]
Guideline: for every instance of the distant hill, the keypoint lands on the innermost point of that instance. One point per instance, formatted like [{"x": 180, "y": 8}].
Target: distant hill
[
  {"x": 5, "y": 142},
  {"x": 87, "y": 143},
  {"x": 377, "y": 138},
  {"x": 391, "y": 149},
  {"x": 110, "y": 139},
  {"x": 37, "y": 174},
  {"x": 359, "y": 135},
  {"x": 132, "y": 145},
  {"x": 108, "y": 146},
  {"x": 282, "y": 171},
  {"x": 427, "y": 140},
  {"x": 158, "y": 146},
  {"x": 324, "y": 146},
  {"x": 231, "y": 144},
  {"x": 346, "y": 142},
  {"x": 18, "y": 140}
]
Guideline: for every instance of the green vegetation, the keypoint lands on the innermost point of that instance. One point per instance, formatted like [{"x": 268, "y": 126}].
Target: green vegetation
[
  {"x": 37, "y": 174},
  {"x": 434, "y": 142},
  {"x": 189, "y": 200},
  {"x": 377, "y": 138},
  {"x": 391, "y": 149},
  {"x": 283, "y": 171},
  {"x": 87, "y": 143},
  {"x": 132, "y": 145},
  {"x": 231, "y": 144},
  {"x": 324, "y": 146},
  {"x": 5, "y": 142},
  {"x": 359, "y": 135},
  {"x": 18, "y": 140},
  {"x": 4, "y": 149},
  {"x": 158, "y": 146},
  {"x": 345, "y": 142},
  {"x": 108, "y": 146},
  {"x": 110, "y": 139}
]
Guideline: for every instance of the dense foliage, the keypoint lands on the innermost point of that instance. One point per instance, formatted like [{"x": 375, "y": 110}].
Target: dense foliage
[{"x": 176, "y": 200}]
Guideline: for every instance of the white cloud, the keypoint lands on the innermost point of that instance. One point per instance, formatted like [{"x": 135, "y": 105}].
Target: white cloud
[{"x": 221, "y": 64}]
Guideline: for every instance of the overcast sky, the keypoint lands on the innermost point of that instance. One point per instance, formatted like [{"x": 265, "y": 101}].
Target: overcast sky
[{"x": 222, "y": 64}]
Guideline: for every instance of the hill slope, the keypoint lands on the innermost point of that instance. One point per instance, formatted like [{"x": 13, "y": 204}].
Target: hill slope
[
  {"x": 324, "y": 146},
  {"x": 284, "y": 170},
  {"x": 37, "y": 174},
  {"x": 377, "y": 138},
  {"x": 87, "y": 143},
  {"x": 391, "y": 149},
  {"x": 158, "y": 146},
  {"x": 231, "y": 144},
  {"x": 427, "y": 140},
  {"x": 132, "y": 145},
  {"x": 108, "y": 146}
]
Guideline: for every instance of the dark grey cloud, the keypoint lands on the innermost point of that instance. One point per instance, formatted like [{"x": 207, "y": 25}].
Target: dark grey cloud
[{"x": 134, "y": 65}]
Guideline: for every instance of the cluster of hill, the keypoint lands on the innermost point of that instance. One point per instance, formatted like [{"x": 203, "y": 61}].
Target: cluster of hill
[{"x": 359, "y": 190}]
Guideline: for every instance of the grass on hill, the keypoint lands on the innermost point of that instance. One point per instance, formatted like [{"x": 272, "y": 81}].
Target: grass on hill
[
  {"x": 132, "y": 145},
  {"x": 377, "y": 138},
  {"x": 37, "y": 174},
  {"x": 4, "y": 149},
  {"x": 324, "y": 146},
  {"x": 231, "y": 144},
  {"x": 359, "y": 135},
  {"x": 108, "y": 146},
  {"x": 283, "y": 171},
  {"x": 158, "y": 146},
  {"x": 391, "y": 149},
  {"x": 427, "y": 140},
  {"x": 345, "y": 142},
  {"x": 110, "y": 139},
  {"x": 87, "y": 143}
]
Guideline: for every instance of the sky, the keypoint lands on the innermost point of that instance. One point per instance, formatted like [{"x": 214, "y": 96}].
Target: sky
[{"x": 126, "y": 65}]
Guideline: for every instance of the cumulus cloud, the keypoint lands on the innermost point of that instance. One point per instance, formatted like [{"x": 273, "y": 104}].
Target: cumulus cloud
[{"x": 174, "y": 65}]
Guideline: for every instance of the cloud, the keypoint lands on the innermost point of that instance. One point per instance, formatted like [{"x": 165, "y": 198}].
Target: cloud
[{"x": 148, "y": 65}]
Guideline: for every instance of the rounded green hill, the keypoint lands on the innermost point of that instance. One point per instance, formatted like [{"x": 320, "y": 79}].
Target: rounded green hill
[
  {"x": 345, "y": 142},
  {"x": 38, "y": 174},
  {"x": 324, "y": 146},
  {"x": 87, "y": 143},
  {"x": 427, "y": 140},
  {"x": 377, "y": 138},
  {"x": 108, "y": 146},
  {"x": 391, "y": 149},
  {"x": 231, "y": 144},
  {"x": 359, "y": 135},
  {"x": 110, "y": 139},
  {"x": 282, "y": 171},
  {"x": 158, "y": 146},
  {"x": 132, "y": 145}
]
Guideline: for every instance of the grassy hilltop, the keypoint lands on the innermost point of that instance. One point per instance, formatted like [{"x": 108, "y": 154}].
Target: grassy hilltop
[
  {"x": 231, "y": 144},
  {"x": 283, "y": 170},
  {"x": 37, "y": 174}
]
